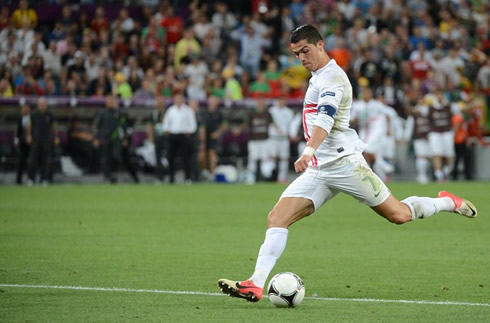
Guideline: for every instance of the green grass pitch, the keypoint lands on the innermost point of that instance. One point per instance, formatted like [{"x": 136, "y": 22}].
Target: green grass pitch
[{"x": 184, "y": 238}]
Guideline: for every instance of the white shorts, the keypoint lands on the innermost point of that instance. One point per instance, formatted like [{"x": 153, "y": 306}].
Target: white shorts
[
  {"x": 349, "y": 174},
  {"x": 422, "y": 148},
  {"x": 442, "y": 143},
  {"x": 279, "y": 148},
  {"x": 258, "y": 149}
]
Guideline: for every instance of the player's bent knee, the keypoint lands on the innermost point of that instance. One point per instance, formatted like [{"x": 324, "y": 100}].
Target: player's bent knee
[
  {"x": 398, "y": 218},
  {"x": 274, "y": 219},
  {"x": 279, "y": 218}
]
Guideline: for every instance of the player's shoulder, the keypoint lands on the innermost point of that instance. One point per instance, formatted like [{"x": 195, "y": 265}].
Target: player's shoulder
[{"x": 333, "y": 72}]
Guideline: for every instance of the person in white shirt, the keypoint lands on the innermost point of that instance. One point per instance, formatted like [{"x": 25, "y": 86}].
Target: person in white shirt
[
  {"x": 452, "y": 66},
  {"x": 394, "y": 134},
  {"x": 223, "y": 20},
  {"x": 332, "y": 162},
  {"x": 180, "y": 123},
  {"x": 196, "y": 73},
  {"x": 371, "y": 117},
  {"x": 282, "y": 117},
  {"x": 52, "y": 61}
]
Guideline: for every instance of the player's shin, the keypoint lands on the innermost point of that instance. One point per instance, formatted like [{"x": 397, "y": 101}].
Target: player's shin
[
  {"x": 272, "y": 248},
  {"x": 423, "y": 207}
]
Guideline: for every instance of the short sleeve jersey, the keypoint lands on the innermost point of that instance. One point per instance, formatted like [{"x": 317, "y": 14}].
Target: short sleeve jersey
[{"x": 329, "y": 94}]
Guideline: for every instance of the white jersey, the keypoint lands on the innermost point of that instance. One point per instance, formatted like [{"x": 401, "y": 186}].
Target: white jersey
[
  {"x": 282, "y": 118},
  {"x": 395, "y": 126},
  {"x": 367, "y": 113},
  {"x": 329, "y": 95},
  {"x": 372, "y": 123}
]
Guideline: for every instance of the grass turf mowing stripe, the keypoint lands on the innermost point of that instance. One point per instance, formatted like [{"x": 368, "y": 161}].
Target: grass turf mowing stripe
[{"x": 156, "y": 291}]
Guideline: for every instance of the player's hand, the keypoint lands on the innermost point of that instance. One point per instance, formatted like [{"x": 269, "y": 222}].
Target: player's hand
[
  {"x": 96, "y": 143},
  {"x": 29, "y": 139},
  {"x": 56, "y": 141},
  {"x": 302, "y": 163}
]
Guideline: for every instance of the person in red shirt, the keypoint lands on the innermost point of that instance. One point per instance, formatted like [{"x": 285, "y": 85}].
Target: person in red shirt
[
  {"x": 420, "y": 63},
  {"x": 173, "y": 25},
  {"x": 120, "y": 48},
  {"x": 99, "y": 22},
  {"x": 475, "y": 115},
  {"x": 4, "y": 17},
  {"x": 29, "y": 85}
]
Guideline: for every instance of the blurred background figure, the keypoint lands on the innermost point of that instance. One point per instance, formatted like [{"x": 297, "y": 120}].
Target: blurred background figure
[
  {"x": 21, "y": 143},
  {"x": 156, "y": 135},
  {"x": 42, "y": 134},
  {"x": 111, "y": 135},
  {"x": 417, "y": 128},
  {"x": 282, "y": 117},
  {"x": 461, "y": 149},
  {"x": 441, "y": 135},
  {"x": 108, "y": 139},
  {"x": 369, "y": 118},
  {"x": 80, "y": 148},
  {"x": 213, "y": 121},
  {"x": 23, "y": 15},
  {"x": 394, "y": 133},
  {"x": 259, "y": 122},
  {"x": 197, "y": 141},
  {"x": 126, "y": 127},
  {"x": 180, "y": 123},
  {"x": 467, "y": 134}
]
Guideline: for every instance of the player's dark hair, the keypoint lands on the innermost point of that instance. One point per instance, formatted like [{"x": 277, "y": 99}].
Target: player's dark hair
[{"x": 308, "y": 32}]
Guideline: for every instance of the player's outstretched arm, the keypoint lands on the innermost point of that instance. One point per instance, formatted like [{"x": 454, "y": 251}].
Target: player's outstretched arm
[{"x": 318, "y": 135}]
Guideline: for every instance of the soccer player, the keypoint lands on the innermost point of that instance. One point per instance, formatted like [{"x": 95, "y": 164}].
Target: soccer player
[
  {"x": 418, "y": 126},
  {"x": 371, "y": 117},
  {"x": 258, "y": 150},
  {"x": 441, "y": 135},
  {"x": 282, "y": 116},
  {"x": 331, "y": 163}
]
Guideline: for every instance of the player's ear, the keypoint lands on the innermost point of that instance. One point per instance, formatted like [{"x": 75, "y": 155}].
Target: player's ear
[{"x": 320, "y": 45}]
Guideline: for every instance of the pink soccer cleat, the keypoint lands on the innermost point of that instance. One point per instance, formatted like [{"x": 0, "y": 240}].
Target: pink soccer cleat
[
  {"x": 244, "y": 289},
  {"x": 462, "y": 206}
]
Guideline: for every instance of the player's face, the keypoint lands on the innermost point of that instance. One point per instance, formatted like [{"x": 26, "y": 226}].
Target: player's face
[{"x": 308, "y": 54}]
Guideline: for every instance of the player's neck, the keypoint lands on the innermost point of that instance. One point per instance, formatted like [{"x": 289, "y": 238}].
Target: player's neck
[{"x": 323, "y": 62}]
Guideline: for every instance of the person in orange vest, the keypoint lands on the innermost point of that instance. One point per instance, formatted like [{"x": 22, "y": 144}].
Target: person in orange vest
[{"x": 462, "y": 152}]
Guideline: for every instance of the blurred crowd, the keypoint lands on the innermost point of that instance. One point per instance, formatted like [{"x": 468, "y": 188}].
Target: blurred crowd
[{"x": 402, "y": 51}]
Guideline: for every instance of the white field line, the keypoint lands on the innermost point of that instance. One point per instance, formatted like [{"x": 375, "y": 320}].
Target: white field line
[{"x": 174, "y": 292}]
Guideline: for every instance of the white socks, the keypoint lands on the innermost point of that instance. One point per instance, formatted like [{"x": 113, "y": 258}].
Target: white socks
[
  {"x": 423, "y": 207},
  {"x": 270, "y": 251},
  {"x": 421, "y": 164},
  {"x": 439, "y": 175}
]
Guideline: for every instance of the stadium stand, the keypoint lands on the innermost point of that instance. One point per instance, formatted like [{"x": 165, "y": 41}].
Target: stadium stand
[{"x": 77, "y": 52}]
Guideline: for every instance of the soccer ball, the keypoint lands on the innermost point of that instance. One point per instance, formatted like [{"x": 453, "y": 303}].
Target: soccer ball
[{"x": 286, "y": 290}]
